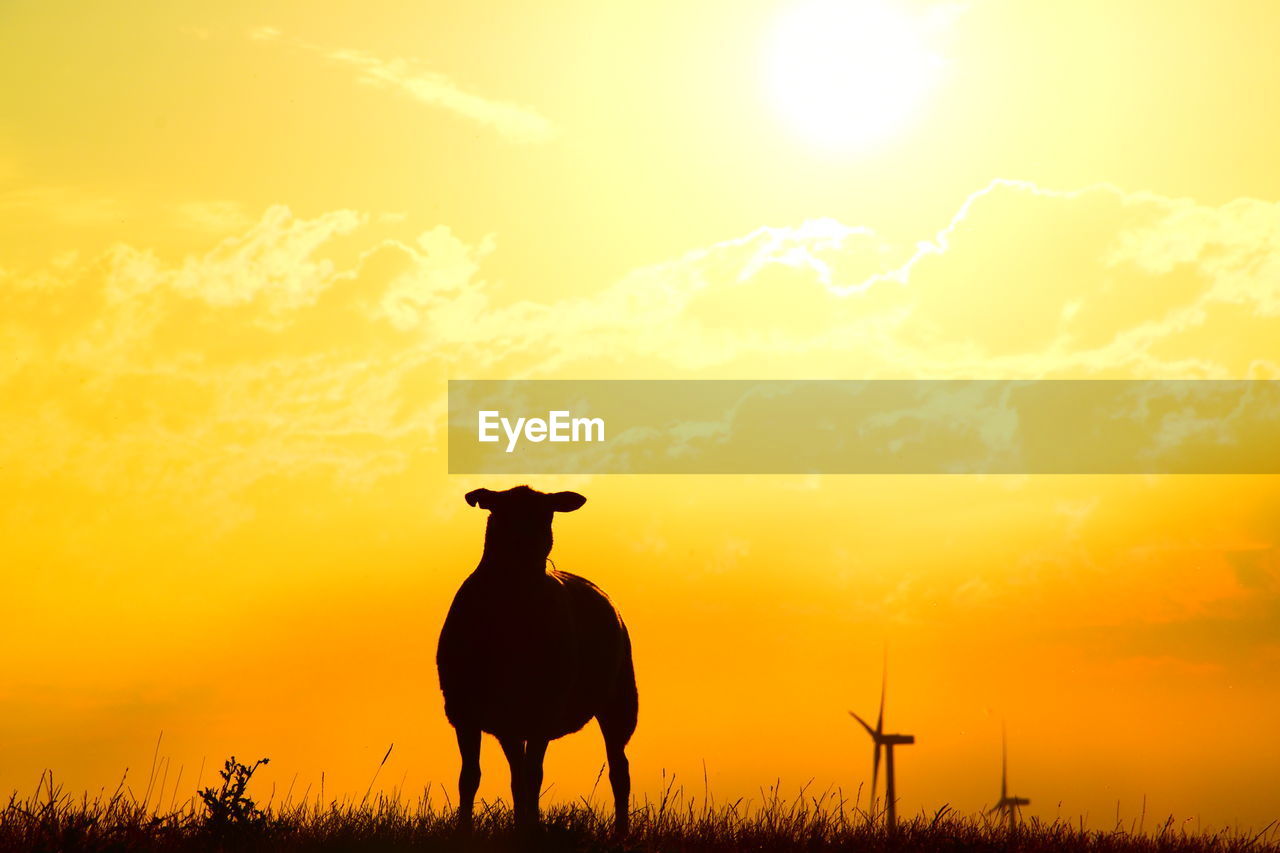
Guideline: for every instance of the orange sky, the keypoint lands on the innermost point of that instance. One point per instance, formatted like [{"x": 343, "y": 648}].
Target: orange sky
[{"x": 242, "y": 249}]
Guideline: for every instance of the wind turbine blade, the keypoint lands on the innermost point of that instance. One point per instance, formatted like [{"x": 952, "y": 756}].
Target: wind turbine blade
[
  {"x": 884, "y": 688},
  {"x": 870, "y": 730}
]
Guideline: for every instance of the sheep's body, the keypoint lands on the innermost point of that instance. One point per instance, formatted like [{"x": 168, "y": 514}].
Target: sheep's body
[
  {"x": 533, "y": 658},
  {"x": 530, "y": 655}
]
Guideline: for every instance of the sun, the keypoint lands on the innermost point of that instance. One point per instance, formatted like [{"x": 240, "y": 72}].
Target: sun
[{"x": 847, "y": 74}]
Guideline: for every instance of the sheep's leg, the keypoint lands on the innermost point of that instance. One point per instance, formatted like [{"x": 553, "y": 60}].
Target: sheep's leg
[
  {"x": 616, "y": 734},
  {"x": 469, "y": 777},
  {"x": 514, "y": 750},
  {"x": 617, "y": 723},
  {"x": 534, "y": 752}
]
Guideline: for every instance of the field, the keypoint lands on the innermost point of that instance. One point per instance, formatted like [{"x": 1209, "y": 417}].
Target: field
[{"x": 228, "y": 818}]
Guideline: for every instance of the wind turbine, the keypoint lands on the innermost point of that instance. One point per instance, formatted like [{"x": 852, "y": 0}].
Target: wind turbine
[
  {"x": 887, "y": 742},
  {"x": 1008, "y": 805}
]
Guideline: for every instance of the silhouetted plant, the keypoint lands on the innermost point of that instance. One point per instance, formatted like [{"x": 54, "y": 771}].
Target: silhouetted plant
[{"x": 229, "y": 806}]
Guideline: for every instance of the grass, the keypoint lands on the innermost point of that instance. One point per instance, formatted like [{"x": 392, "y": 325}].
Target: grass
[{"x": 226, "y": 818}]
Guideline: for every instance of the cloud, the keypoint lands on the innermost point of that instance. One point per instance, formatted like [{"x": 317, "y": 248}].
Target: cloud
[
  {"x": 515, "y": 122},
  {"x": 80, "y": 207},
  {"x": 71, "y": 206},
  {"x": 213, "y": 217},
  {"x": 1023, "y": 282},
  {"x": 179, "y": 387},
  {"x": 319, "y": 347}
]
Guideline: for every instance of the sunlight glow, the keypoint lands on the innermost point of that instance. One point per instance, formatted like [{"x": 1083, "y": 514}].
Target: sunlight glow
[{"x": 845, "y": 74}]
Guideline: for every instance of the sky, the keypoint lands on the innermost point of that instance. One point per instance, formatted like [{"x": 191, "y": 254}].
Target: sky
[{"x": 243, "y": 247}]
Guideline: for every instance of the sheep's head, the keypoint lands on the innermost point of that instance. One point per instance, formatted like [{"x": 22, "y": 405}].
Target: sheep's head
[{"x": 519, "y": 527}]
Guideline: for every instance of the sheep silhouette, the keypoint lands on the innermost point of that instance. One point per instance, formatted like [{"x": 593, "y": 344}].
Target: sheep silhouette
[{"x": 529, "y": 655}]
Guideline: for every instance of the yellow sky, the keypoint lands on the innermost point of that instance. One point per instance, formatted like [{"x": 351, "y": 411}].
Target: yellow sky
[{"x": 242, "y": 248}]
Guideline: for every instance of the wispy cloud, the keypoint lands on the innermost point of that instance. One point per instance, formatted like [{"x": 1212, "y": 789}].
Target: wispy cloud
[
  {"x": 214, "y": 217},
  {"x": 65, "y": 205},
  {"x": 516, "y": 122}
]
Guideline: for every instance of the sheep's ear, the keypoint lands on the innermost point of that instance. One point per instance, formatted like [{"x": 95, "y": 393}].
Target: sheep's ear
[
  {"x": 482, "y": 498},
  {"x": 566, "y": 501}
]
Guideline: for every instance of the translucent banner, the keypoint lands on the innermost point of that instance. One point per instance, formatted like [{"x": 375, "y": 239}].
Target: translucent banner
[{"x": 864, "y": 427}]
